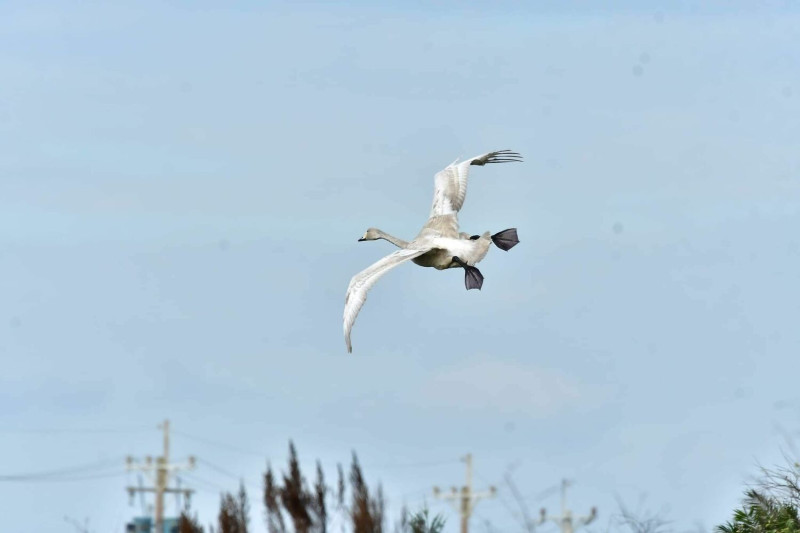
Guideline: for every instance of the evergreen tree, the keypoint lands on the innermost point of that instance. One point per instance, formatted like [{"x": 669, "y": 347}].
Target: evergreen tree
[
  {"x": 420, "y": 523},
  {"x": 763, "y": 514}
]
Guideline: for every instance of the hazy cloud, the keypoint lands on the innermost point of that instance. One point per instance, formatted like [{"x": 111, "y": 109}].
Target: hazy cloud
[{"x": 505, "y": 387}]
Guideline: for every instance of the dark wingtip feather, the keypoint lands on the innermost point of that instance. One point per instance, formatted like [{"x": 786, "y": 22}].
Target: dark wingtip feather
[
  {"x": 504, "y": 156},
  {"x": 499, "y": 156}
]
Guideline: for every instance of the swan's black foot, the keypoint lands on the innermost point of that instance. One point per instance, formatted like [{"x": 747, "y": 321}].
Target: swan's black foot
[
  {"x": 473, "y": 279},
  {"x": 506, "y": 239}
]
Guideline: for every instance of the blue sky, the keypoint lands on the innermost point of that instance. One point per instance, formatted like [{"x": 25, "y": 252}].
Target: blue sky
[{"x": 182, "y": 187}]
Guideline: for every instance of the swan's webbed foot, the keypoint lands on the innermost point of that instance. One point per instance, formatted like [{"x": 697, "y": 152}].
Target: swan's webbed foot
[
  {"x": 473, "y": 279},
  {"x": 506, "y": 239}
]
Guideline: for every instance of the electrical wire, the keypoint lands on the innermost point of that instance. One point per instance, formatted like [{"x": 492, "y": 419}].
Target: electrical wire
[
  {"x": 141, "y": 494},
  {"x": 218, "y": 444},
  {"x": 208, "y": 485},
  {"x": 66, "y": 479},
  {"x": 425, "y": 464},
  {"x": 39, "y": 431},
  {"x": 549, "y": 491},
  {"x": 240, "y": 479},
  {"x": 211, "y": 486},
  {"x": 82, "y": 471},
  {"x": 239, "y": 449},
  {"x": 504, "y": 501},
  {"x": 219, "y": 469}
]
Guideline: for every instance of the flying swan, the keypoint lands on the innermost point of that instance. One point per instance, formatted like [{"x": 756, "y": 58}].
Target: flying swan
[{"x": 439, "y": 243}]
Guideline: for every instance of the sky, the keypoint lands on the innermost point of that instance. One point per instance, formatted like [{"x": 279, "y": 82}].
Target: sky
[{"x": 182, "y": 187}]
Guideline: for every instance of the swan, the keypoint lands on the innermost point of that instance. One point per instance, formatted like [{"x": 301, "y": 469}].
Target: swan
[{"x": 439, "y": 244}]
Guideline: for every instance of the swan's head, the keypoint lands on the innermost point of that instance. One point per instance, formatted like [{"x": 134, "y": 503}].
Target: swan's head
[{"x": 372, "y": 234}]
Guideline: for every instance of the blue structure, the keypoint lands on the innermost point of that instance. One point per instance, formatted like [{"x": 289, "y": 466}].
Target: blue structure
[
  {"x": 144, "y": 524},
  {"x": 140, "y": 524}
]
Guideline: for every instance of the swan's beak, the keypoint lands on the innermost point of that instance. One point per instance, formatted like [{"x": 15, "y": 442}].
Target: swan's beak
[{"x": 362, "y": 239}]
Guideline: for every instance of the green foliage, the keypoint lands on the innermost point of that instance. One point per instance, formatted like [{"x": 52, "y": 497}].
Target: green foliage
[
  {"x": 763, "y": 514},
  {"x": 420, "y": 523}
]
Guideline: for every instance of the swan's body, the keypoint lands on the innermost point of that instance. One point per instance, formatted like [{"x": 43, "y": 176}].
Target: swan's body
[{"x": 439, "y": 244}]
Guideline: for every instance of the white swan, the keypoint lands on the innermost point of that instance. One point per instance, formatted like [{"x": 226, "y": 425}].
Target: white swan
[{"x": 439, "y": 243}]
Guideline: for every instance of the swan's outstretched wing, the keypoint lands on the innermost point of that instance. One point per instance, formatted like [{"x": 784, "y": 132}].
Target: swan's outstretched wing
[
  {"x": 450, "y": 185},
  {"x": 363, "y": 282}
]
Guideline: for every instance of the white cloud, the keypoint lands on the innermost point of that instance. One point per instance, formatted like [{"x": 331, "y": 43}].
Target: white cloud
[{"x": 504, "y": 387}]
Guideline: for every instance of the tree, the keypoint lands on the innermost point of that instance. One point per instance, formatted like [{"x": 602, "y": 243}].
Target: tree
[
  {"x": 295, "y": 496},
  {"x": 782, "y": 483},
  {"x": 366, "y": 511},
  {"x": 274, "y": 516},
  {"x": 227, "y": 514},
  {"x": 243, "y": 509},
  {"x": 234, "y": 512},
  {"x": 318, "y": 503},
  {"x": 189, "y": 524},
  {"x": 773, "y": 507},
  {"x": 641, "y": 520},
  {"x": 307, "y": 508},
  {"x": 763, "y": 514},
  {"x": 418, "y": 523}
]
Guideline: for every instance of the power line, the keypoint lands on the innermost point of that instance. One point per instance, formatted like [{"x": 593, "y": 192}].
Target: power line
[
  {"x": 160, "y": 471},
  {"x": 246, "y": 451},
  {"x": 141, "y": 494},
  {"x": 227, "y": 473},
  {"x": 564, "y": 520},
  {"x": 425, "y": 464},
  {"x": 467, "y": 498},
  {"x": 213, "y": 486},
  {"x": 219, "y": 469},
  {"x": 541, "y": 495},
  {"x": 503, "y": 501},
  {"x": 527, "y": 523},
  {"x": 208, "y": 485},
  {"x": 491, "y": 527},
  {"x": 68, "y": 479},
  {"x": 39, "y": 431},
  {"x": 218, "y": 444},
  {"x": 96, "y": 466}
]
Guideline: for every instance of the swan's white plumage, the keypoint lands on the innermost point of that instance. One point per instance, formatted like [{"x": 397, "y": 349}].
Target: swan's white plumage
[
  {"x": 450, "y": 184},
  {"x": 363, "y": 282},
  {"x": 450, "y": 188},
  {"x": 439, "y": 237}
]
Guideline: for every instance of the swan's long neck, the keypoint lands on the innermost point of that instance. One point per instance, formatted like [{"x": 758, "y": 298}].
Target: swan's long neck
[{"x": 400, "y": 243}]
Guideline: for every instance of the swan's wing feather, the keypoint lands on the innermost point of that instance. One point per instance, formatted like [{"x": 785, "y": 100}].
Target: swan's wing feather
[
  {"x": 363, "y": 282},
  {"x": 450, "y": 184}
]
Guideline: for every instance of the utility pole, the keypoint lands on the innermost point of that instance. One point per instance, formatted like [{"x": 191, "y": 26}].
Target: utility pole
[
  {"x": 160, "y": 472},
  {"x": 466, "y": 498},
  {"x": 565, "y": 519}
]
